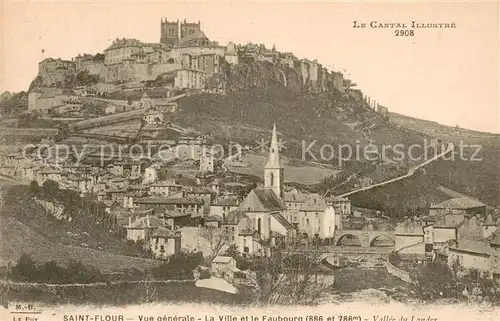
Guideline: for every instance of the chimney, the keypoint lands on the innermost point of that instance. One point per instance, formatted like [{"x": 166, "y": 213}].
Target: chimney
[
  {"x": 129, "y": 220},
  {"x": 147, "y": 221}
]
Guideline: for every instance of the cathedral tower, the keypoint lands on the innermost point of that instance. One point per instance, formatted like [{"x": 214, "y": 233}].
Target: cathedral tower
[{"x": 273, "y": 172}]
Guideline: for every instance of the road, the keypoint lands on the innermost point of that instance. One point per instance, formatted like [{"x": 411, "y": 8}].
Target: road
[
  {"x": 353, "y": 250},
  {"x": 410, "y": 173}
]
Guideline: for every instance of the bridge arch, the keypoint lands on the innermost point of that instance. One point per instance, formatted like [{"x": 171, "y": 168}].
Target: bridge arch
[
  {"x": 348, "y": 236},
  {"x": 382, "y": 236}
]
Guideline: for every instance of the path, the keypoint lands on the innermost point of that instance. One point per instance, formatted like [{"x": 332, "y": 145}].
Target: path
[{"x": 410, "y": 173}]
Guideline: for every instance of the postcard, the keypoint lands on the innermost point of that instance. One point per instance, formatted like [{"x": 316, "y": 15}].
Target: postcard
[{"x": 249, "y": 161}]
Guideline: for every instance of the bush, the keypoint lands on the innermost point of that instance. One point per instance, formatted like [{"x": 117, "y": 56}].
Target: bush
[
  {"x": 28, "y": 270},
  {"x": 205, "y": 274},
  {"x": 180, "y": 266},
  {"x": 394, "y": 258},
  {"x": 434, "y": 280}
]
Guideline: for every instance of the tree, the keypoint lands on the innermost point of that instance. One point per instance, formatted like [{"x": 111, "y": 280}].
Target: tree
[
  {"x": 50, "y": 188},
  {"x": 434, "y": 280},
  {"x": 34, "y": 188},
  {"x": 180, "y": 266},
  {"x": 84, "y": 78},
  {"x": 217, "y": 238},
  {"x": 292, "y": 274},
  {"x": 25, "y": 269}
]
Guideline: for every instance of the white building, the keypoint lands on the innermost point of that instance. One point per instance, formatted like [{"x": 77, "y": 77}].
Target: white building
[
  {"x": 140, "y": 229},
  {"x": 151, "y": 174},
  {"x": 207, "y": 162},
  {"x": 164, "y": 242},
  {"x": 153, "y": 117}
]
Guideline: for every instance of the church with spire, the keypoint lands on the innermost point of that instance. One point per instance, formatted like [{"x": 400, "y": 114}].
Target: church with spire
[
  {"x": 264, "y": 219},
  {"x": 273, "y": 172}
]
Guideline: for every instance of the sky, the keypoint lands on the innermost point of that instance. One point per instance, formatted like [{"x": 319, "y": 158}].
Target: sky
[{"x": 445, "y": 75}]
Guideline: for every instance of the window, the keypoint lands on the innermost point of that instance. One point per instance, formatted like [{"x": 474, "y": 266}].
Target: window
[
  {"x": 307, "y": 221},
  {"x": 271, "y": 179}
]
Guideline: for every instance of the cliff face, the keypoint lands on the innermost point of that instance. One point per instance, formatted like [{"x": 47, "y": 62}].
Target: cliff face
[{"x": 301, "y": 78}]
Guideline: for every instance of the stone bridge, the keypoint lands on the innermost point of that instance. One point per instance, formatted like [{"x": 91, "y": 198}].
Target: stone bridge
[{"x": 366, "y": 238}]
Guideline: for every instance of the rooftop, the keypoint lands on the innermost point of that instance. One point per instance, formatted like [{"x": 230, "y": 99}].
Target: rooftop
[
  {"x": 164, "y": 232},
  {"x": 478, "y": 247},
  {"x": 262, "y": 200},
  {"x": 122, "y": 43},
  {"x": 459, "y": 203},
  {"x": 222, "y": 259},
  {"x": 146, "y": 222},
  {"x": 167, "y": 200}
]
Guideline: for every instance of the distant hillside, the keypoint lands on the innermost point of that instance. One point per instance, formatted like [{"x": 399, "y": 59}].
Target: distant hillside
[
  {"x": 437, "y": 130},
  {"x": 257, "y": 98},
  {"x": 478, "y": 173}
]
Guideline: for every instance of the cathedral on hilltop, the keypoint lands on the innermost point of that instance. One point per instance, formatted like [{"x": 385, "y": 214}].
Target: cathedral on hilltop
[{"x": 173, "y": 31}]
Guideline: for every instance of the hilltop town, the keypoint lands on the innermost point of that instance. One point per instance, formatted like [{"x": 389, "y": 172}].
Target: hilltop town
[{"x": 125, "y": 138}]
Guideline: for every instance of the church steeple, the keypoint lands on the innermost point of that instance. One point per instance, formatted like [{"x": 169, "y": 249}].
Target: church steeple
[
  {"x": 274, "y": 156},
  {"x": 273, "y": 172}
]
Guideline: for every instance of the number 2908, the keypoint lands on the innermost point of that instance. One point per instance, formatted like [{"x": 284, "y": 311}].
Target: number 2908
[{"x": 404, "y": 33}]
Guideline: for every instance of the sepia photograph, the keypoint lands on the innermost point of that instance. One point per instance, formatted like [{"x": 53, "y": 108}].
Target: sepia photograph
[{"x": 249, "y": 161}]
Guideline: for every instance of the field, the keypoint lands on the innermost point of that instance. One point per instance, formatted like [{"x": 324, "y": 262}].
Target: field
[
  {"x": 121, "y": 129},
  {"x": 305, "y": 174}
]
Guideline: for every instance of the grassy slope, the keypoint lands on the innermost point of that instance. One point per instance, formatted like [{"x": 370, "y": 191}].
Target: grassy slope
[
  {"x": 27, "y": 228},
  {"x": 18, "y": 238}
]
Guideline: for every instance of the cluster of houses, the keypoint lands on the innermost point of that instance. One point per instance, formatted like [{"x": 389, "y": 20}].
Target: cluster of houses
[
  {"x": 154, "y": 208},
  {"x": 459, "y": 230}
]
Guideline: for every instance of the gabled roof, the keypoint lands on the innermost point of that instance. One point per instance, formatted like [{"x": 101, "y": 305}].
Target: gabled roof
[
  {"x": 229, "y": 201},
  {"x": 174, "y": 214},
  {"x": 198, "y": 34},
  {"x": 283, "y": 221},
  {"x": 122, "y": 43},
  {"x": 165, "y": 184},
  {"x": 262, "y": 200},
  {"x": 143, "y": 222},
  {"x": 478, "y": 247},
  {"x": 213, "y": 218},
  {"x": 164, "y": 233},
  {"x": 459, "y": 203},
  {"x": 234, "y": 217},
  {"x": 222, "y": 259},
  {"x": 168, "y": 200}
]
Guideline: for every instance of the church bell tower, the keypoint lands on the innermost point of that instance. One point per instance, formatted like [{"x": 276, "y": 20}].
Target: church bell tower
[{"x": 273, "y": 172}]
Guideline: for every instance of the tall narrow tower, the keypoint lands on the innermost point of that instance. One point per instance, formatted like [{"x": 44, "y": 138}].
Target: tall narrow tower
[{"x": 273, "y": 172}]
